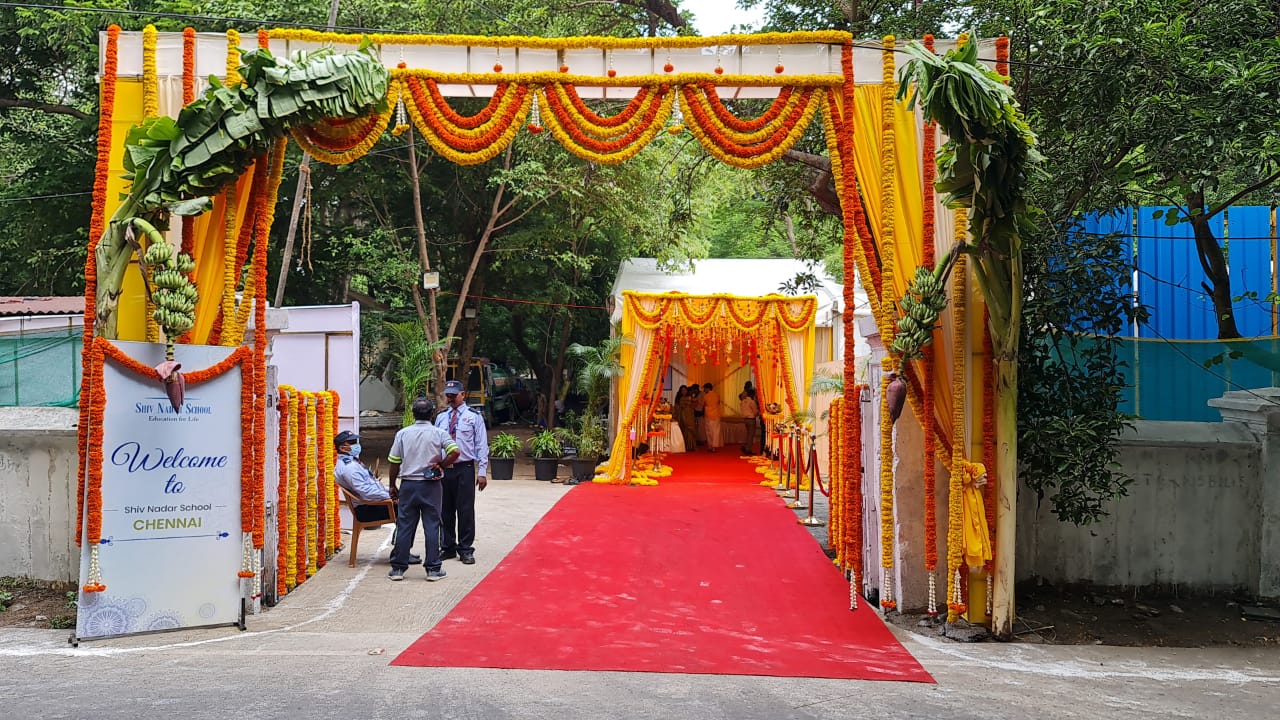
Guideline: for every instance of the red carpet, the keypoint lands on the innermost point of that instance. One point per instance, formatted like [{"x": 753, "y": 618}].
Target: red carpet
[
  {"x": 679, "y": 578},
  {"x": 725, "y": 466}
]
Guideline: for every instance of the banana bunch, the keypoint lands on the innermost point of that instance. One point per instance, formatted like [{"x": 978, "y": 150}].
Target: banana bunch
[
  {"x": 174, "y": 294},
  {"x": 919, "y": 309}
]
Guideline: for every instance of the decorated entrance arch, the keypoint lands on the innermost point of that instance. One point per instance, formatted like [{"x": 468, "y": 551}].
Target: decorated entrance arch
[{"x": 881, "y": 161}]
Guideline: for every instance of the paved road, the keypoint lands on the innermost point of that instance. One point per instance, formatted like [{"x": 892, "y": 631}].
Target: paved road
[{"x": 324, "y": 653}]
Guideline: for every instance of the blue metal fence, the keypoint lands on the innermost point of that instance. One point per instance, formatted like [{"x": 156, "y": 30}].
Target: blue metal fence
[{"x": 1166, "y": 374}]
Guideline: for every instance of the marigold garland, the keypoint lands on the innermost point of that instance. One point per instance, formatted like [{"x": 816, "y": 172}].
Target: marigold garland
[
  {"x": 340, "y": 149},
  {"x": 642, "y": 130},
  {"x": 290, "y": 499},
  {"x": 465, "y": 151},
  {"x": 150, "y": 109},
  {"x": 465, "y": 138},
  {"x": 336, "y": 542},
  {"x": 990, "y": 492},
  {"x": 323, "y": 478},
  {"x": 262, "y": 236},
  {"x": 97, "y": 222},
  {"x": 732, "y": 122},
  {"x": 188, "y": 96},
  {"x": 569, "y": 106},
  {"x": 313, "y": 485},
  {"x": 743, "y": 156},
  {"x": 926, "y": 365},
  {"x": 300, "y": 488},
  {"x": 888, "y": 180},
  {"x": 610, "y": 152},
  {"x": 233, "y": 58},
  {"x": 887, "y": 534},
  {"x": 623, "y": 118},
  {"x": 955, "y": 531},
  {"x": 284, "y": 458},
  {"x": 792, "y": 111}
]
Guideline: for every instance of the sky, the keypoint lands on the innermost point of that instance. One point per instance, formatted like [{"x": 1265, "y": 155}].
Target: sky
[{"x": 715, "y": 17}]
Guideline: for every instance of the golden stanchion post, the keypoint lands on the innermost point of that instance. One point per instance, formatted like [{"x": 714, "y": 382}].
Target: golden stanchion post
[
  {"x": 777, "y": 435},
  {"x": 812, "y": 521},
  {"x": 797, "y": 465}
]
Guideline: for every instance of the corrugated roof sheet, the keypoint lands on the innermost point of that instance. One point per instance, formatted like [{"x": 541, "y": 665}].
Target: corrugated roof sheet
[{"x": 14, "y": 306}]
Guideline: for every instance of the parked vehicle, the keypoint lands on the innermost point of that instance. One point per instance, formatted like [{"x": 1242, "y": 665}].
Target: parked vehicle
[{"x": 490, "y": 389}]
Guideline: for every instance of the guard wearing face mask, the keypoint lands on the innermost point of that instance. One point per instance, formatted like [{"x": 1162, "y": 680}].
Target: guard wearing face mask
[{"x": 354, "y": 477}]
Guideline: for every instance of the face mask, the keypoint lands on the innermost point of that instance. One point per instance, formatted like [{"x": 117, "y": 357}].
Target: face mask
[{"x": 355, "y": 450}]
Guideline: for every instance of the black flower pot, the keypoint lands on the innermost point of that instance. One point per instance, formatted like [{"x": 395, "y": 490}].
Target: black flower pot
[
  {"x": 502, "y": 468},
  {"x": 545, "y": 468},
  {"x": 584, "y": 469}
]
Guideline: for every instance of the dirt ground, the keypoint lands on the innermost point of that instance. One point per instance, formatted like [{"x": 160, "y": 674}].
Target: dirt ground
[
  {"x": 33, "y": 604},
  {"x": 1084, "y": 616}
]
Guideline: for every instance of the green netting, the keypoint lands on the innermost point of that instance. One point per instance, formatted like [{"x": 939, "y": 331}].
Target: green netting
[
  {"x": 40, "y": 368},
  {"x": 1169, "y": 380}
]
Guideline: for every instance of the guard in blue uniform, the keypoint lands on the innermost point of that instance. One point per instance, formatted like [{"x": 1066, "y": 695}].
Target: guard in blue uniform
[{"x": 467, "y": 475}]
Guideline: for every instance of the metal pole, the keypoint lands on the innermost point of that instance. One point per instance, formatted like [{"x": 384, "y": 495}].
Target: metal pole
[
  {"x": 304, "y": 176},
  {"x": 812, "y": 521},
  {"x": 797, "y": 466}
]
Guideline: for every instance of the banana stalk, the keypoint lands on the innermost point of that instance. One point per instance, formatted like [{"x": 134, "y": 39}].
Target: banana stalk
[{"x": 984, "y": 167}]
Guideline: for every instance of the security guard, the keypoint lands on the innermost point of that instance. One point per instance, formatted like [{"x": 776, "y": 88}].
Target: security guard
[
  {"x": 461, "y": 480},
  {"x": 424, "y": 450}
]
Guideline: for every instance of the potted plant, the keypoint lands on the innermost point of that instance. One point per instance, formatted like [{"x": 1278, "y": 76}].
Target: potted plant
[
  {"x": 545, "y": 448},
  {"x": 590, "y": 448},
  {"x": 502, "y": 455}
]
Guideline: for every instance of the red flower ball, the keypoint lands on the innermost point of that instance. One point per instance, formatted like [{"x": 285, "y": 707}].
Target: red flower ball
[
  {"x": 719, "y": 70},
  {"x": 564, "y": 68},
  {"x": 778, "y": 69},
  {"x": 613, "y": 73},
  {"x": 497, "y": 67},
  {"x": 668, "y": 67},
  {"x": 535, "y": 129}
]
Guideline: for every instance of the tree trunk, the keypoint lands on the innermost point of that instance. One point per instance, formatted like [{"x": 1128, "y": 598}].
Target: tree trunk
[
  {"x": 1006, "y": 438},
  {"x": 427, "y": 316},
  {"x": 1214, "y": 264}
]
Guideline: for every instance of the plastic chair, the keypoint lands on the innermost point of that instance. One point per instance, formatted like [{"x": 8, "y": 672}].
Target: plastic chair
[{"x": 357, "y": 525}]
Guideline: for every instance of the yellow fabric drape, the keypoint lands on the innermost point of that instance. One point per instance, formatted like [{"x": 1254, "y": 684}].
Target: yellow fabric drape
[{"x": 977, "y": 540}]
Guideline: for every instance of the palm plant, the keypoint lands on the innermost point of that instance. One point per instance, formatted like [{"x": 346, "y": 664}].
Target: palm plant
[
  {"x": 600, "y": 365},
  {"x": 414, "y": 359}
]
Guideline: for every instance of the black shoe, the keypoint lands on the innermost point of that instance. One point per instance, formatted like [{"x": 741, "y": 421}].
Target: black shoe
[
  {"x": 448, "y": 554},
  {"x": 467, "y": 558}
]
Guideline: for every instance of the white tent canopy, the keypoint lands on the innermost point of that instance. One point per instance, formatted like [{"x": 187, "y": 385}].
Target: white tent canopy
[{"x": 751, "y": 277}]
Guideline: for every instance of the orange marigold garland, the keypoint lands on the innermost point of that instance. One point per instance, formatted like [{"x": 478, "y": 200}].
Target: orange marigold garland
[
  {"x": 97, "y": 223},
  {"x": 929, "y": 174},
  {"x": 188, "y": 96},
  {"x": 290, "y": 504},
  {"x": 955, "y": 532},
  {"x": 733, "y": 122},
  {"x": 791, "y": 113},
  {"x": 336, "y": 542},
  {"x": 282, "y": 489},
  {"x": 93, "y": 483},
  {"x": 322, "y": 477},
  {"x": 306, "y": 499},
  {"x": 739, "y": 155},
  {"x": 642, "y": 97},
  {"x": 464, "y": 147},
  {"x": 608, "y": 152},
  {"x": 246, "y": 469}
]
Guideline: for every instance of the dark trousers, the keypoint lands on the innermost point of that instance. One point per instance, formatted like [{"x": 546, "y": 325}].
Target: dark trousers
[
  {"x": 459, "y": 521},
  {"x": 372, "y": 513},
  {"x": 753, "y": 426},
  {"x": 419, "y": 502}
]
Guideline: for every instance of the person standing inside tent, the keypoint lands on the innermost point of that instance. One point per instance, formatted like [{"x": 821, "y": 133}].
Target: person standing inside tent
[
  {"x": 465, "y": 426},
  {"x": 423, "y": 450},
  {"x": 699, "y": 416},
  {"x": 711, "y": 414},
  {"x": 684, "y": 417},
  {"x": 750, "y": 413}
]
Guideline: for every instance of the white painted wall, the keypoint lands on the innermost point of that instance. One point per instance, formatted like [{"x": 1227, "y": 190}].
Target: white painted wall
[{"x": 320, "y": 350}]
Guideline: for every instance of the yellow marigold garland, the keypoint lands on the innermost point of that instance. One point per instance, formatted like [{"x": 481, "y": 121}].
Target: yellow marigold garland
[
  {"x": 311, "y": 517},
  {"x": 233, "y": 58},
  {"x": 886, "y": 490},
  {"x": 823, "y": 37},
  {"x": 334, "y": 525},
  {"x": 150, "y": 109},
  {"x": 290, "y": 499},
  {"x": 955, "y": 530},
  {"x": 283, "y": 458},
  {"x": 324, "y": 440}
]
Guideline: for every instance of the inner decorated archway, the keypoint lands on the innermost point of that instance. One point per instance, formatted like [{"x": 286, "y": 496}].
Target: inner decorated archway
[{"x": 881, "y": 161}]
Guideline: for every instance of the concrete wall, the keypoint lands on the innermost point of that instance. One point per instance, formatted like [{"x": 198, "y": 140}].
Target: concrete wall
[
  {"x": 38, "y": 494},
  {"x": 1191, "y": 517}
]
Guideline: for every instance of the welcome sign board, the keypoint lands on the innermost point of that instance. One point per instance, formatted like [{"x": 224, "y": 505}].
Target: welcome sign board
[{"x": 171, "y": 535}]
